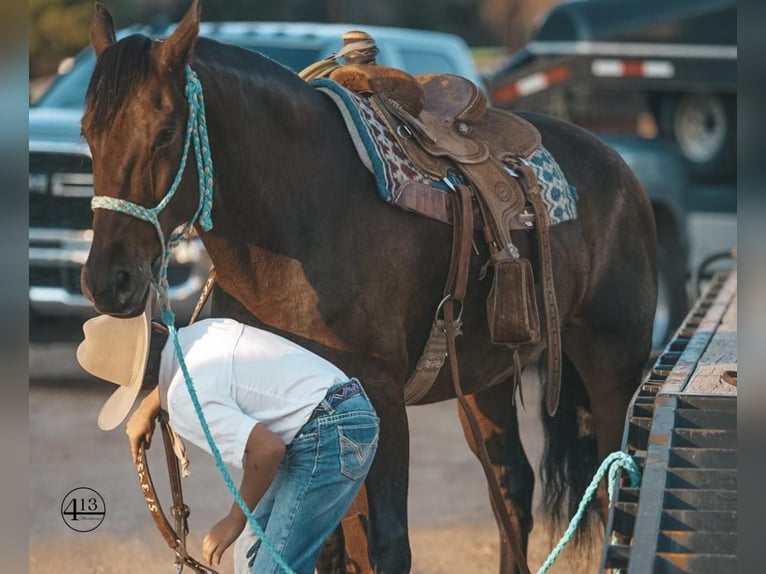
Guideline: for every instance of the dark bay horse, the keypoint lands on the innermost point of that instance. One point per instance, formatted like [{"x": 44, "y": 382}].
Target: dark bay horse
[{"x": 303, "y": 246}]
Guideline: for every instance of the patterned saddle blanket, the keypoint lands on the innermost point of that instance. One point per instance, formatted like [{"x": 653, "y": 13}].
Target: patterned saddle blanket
[{"x": 383, "y": 156}]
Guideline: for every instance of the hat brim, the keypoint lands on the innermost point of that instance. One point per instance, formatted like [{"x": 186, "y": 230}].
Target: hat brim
[
  {"x": 118, "y": 405},
  {"x": 105, "y": 335}
]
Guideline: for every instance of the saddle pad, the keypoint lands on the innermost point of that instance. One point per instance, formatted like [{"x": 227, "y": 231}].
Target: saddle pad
[{"x": 381, "y": 154}]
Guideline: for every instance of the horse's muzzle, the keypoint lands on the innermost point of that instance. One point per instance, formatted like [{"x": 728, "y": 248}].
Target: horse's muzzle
[{"x": 119, "y": 291}]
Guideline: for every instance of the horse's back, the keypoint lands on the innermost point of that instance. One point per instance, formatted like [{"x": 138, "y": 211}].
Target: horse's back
[{"x": 614, "y": 229}]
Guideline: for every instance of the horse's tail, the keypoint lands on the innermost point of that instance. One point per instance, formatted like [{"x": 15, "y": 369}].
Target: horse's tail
[{"x": 570, "y": 458}]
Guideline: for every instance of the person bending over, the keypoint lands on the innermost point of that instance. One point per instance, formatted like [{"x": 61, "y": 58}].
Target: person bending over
[{"x": 304, "y": 433}]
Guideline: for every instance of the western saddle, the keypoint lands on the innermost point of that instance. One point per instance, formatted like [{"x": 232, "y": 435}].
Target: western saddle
[{"x": 443, "y": 124}]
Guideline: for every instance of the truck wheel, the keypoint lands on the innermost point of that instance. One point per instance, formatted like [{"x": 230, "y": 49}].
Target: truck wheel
[
  {"x": 672, "y": 301},
  {"x": 705, "y": 128}
]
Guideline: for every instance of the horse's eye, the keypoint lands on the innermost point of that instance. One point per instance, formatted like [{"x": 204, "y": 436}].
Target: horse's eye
[{"x": 164, "y": 138}]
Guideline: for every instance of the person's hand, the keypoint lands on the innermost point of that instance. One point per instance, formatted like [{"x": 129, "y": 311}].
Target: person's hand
[
  {"x": 220, "y": 537},
  {"x": 139, "y": 429}
]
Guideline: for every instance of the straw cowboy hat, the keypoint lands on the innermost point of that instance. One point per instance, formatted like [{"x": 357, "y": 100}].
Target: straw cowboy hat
[{"x": 117, "y": 350}]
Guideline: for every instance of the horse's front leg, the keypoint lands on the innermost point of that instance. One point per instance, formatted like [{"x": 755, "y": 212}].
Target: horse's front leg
[
  {"x": 499, "y": 428},
  {"x": 388, "y": 480},
  {"x": 346, "y": 551}
]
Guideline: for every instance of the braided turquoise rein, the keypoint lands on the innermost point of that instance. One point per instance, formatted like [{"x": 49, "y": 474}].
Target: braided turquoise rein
[{"x": 196, "y": 132}]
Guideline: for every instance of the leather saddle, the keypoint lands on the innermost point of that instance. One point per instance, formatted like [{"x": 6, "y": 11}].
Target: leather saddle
[
  {"x": 444, "y": 125},
  {"x": 447, "y": 114}
]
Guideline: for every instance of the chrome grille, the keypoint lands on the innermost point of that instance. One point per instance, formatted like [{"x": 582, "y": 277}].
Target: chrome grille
[{"x": 60, "y": 187}]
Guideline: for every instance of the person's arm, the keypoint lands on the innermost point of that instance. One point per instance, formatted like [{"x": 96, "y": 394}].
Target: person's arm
[
  {"x": 140, "y": 425},
  {"x": 264, "y": 451}
]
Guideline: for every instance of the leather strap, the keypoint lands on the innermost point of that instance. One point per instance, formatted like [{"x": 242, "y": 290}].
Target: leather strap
[
  {"x": 203, "y": 296},
  {"x": 462, "y": 239},
  {"x": 552, "y": 325},
  {"x": 456, "y": 289},
  {"x": 176, "y": 539},
  {"x": 500, "y": 196},
  {"x": 437, "y": 204},
  {"x": 179, "y": 511}
]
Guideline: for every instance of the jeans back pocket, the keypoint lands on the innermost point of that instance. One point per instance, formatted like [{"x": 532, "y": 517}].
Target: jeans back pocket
[{"x": 358, "y": 443}]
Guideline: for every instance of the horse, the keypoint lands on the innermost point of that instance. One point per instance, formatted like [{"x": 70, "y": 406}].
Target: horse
[{"x": 303, "y": 246}]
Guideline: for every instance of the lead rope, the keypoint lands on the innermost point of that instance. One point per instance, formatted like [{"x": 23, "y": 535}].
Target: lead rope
[
  {"x": 613, "y": 463},
  {"x": 196, "y": 133}
]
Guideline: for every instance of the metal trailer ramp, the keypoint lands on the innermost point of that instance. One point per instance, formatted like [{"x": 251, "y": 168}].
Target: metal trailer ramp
[{"x": 682, "y": 431}]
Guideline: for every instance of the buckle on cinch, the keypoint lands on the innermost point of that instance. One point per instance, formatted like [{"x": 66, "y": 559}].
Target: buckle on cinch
[{"x": 459, "y": 317}]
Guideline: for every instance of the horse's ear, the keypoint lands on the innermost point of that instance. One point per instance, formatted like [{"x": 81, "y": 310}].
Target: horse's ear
[
  {"x": 101, "y": 30},
  {"x": 176, "y": 50}
]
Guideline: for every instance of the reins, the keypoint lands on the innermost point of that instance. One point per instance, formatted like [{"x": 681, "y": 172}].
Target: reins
[{"x": 175, "y": 537}]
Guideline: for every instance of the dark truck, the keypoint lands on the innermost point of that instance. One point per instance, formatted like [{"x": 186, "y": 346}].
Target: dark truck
[{"x": 657, "y": 81}]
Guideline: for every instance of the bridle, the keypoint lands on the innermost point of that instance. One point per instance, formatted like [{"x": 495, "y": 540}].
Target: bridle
[{"x": 196, "y": 133}]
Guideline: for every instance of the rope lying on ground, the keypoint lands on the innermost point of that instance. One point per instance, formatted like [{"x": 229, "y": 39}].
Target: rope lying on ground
[{"x": 613, "y": 463}]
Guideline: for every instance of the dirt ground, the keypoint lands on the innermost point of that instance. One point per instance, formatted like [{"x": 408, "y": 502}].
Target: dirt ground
[{"x": 451, "y": 524}]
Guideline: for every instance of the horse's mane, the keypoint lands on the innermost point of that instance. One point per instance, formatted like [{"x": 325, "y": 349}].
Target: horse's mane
[
  {"x": 118, "y": 72},
  {"x": 124, "y": 66}
]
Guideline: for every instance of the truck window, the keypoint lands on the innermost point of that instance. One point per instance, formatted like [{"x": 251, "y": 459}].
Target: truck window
[{"x": 424, "y": 62}]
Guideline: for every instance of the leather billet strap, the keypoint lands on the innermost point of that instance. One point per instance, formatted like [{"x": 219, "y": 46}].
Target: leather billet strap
[
  {"x": 203, "y": 296},
  {"x": 552, "y": 326},
  {"x": 175, "y": 538},
  {"x": 457, "y": 280}
]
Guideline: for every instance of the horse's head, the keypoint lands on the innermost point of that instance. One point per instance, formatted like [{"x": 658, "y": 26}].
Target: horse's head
[{"x": 135, "y": 124}]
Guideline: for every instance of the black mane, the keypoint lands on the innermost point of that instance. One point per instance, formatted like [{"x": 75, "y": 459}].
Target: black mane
[
  {"x": 118, "y": 72},
  {"x": 123, "y": 67}
]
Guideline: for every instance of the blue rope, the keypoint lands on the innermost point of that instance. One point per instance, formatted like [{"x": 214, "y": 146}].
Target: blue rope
[
  {"x": 613, "y": 463},
  {"x": 196, "y": 133},
  {"x": 168, "y": 318}
]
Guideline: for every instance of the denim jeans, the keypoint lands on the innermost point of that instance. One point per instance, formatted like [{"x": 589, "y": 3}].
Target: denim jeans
[{"x": 323, "y": 469}]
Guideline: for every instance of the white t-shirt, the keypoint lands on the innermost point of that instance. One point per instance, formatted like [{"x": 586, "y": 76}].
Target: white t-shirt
[{"x": 242, "y": 376}]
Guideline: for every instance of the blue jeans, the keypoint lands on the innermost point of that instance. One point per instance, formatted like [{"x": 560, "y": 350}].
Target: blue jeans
[{"x": 323, "y": 469}]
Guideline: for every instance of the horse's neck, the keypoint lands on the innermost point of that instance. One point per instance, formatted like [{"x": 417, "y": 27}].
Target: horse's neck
[
  {"x": 270, "y": 172},
  {"x": 261, "y": 127}
]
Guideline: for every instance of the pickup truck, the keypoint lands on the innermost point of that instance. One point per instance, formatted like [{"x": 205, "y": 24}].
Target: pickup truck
[{"x": 60, "y": 178}]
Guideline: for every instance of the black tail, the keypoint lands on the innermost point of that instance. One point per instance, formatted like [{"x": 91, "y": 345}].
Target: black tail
[{"x": 570, "y": 458}]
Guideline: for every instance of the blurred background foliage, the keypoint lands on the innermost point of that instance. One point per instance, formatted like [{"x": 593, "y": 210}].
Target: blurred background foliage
[{"x": 59, "y": 28}]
